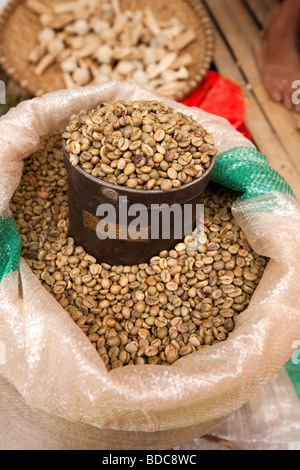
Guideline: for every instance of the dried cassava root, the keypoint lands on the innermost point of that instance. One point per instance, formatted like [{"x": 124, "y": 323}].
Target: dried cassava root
[
  {"x": 94, "y": 42},
  {"x": 139, "y": 144},
  {"x": 152, "y": 313}
]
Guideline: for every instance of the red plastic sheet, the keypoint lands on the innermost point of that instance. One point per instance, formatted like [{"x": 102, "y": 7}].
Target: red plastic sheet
[{"x": 220, "y": 96}]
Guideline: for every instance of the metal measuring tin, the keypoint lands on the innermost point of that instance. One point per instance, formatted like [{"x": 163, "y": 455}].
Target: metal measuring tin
[{"x": 113, "y": 243}]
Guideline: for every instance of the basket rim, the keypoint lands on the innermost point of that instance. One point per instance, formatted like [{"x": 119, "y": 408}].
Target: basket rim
[{"x": 191, "y": 85}]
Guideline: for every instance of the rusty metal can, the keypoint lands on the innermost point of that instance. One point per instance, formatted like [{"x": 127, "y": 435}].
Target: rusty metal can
[{"x": 112, "y": 241}]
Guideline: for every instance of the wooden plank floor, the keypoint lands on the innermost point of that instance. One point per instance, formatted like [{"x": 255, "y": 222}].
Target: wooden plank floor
[{"x": 273, "y": 128}]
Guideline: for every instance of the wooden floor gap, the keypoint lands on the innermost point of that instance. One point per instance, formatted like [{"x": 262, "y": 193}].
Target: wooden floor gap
[
  {"x": 258, "y": 22},
  {"x": 228, "y": 46}
]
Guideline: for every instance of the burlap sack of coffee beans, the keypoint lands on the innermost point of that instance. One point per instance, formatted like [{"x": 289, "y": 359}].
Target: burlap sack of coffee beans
[{"x": 54, "y": 365}]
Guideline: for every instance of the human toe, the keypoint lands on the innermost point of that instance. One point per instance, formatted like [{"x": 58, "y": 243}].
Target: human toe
[{"x": 274, "y": 88}]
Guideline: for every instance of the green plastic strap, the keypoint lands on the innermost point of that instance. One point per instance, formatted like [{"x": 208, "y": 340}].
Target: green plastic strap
[
  {"x": 293, "y": 369},
  {"x": 10, "y": 246},
  {"x": 248, "y": 172},
  {"x": 245, "y": 170}
]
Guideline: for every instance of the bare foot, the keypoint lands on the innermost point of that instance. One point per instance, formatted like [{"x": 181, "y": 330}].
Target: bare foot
[
  {"x": 279, "y": 62},
  {"x": 278, "y": 54}
]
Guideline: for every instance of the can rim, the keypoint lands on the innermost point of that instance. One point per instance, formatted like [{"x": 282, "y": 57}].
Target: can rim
[{"x": 140, "y": 191}]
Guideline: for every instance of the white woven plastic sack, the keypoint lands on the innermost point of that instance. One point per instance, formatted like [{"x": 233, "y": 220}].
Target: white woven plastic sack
[
  {"x": 269, "y": 421},
  {"x": 53, "y": 364}
]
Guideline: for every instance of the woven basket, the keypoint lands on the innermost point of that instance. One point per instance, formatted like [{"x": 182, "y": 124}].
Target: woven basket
[{"x": 19, "y": 28}]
